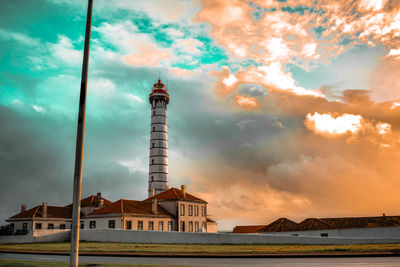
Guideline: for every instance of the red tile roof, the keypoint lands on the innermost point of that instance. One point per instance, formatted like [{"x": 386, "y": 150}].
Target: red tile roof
[
  {"x": 125, "y": 206},
  {"x": 52, "y": 212},
  {"x": 279, "y": 225},
  {"x": 174, "y": 194},
  {"x": 309, "y": 224},
  {"x": 314, "y": 224},
  {"x": 247, "y": 229},
  {"x": 91, "y": 201}
]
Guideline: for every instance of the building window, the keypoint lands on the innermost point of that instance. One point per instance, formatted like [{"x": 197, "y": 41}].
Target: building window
[
  {"x": 190, "y": 226},
  {"x": 50, "y": 226},
  {"x": 152, "y": 161},
  {"x": 160, "y": 226},
  {"x": 129, "y": 225},
  {"x": 190, "y": 210},
  {"x": 196, "y": 210},
  {"x": 182, "y": 226},
  {"x": 203, "y": 211},
  {"x": 204, "y": 226},
  {"x": 196, "y": 226},
  {"x": 62, "y": 226},
  {"x": 182, "y": 209},
  {"x": 154, "y": 113},
  {"x": 152, "y": 145},
  {"x": 92, "y": 224},
  {"x": 82, "y": 225},
  {"x": 38, "y": 226},
  {"x": 24, "y": 226},
  {"x": 151, "y": 226},
  {"x": 170, "y": 226},
  {"x": 152, "y": 177},
  {"x": 140, "y": 225},
  {"x": 111, "y": 224},
  {"x": 324, "y": 234},
  {"x": 154, "y": 129}
]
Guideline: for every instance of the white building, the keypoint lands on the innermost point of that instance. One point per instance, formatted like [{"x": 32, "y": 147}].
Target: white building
[
  {"x": 171, "y": 210},
  {"x": 52, "y": 217}
]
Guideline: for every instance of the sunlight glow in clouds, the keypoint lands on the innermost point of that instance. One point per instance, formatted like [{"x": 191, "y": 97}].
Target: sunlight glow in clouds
[
  {"x": 231, "y": 80},
  {"x": 246, "y": 102},
  {"x": 373, "y": 5},
  {"x": 383, "y": 127},
  {"x": 395, "y": 105},
  {"x": 327, "y": 124}
]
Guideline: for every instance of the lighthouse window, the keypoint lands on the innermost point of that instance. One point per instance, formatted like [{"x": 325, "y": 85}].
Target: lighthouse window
[
  {"x": 152, "y": 161},
  {"x": 152, "y": 177},
  {"x": 154, "y": 129},
  {"x": 152, "y": 145},
  {"x": 154, "y": 113}
]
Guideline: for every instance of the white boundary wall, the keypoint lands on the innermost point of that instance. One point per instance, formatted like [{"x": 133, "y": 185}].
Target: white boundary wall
[
  {"x": 108, "y": 235},
  {"x": 379, "y": 232},
  {"x": 38, "y": 236},
  {"x": 155, "y": 237}
]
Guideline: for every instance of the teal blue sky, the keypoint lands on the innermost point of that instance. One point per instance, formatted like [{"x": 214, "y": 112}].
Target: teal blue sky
[{"x": 243, "y": 77}]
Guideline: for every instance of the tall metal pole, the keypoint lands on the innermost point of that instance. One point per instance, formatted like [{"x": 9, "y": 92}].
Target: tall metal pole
[{"x": 76, "y": 209}]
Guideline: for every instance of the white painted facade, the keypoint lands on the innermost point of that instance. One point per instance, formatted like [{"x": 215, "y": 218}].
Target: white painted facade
[{"x": 129, "y": 222}]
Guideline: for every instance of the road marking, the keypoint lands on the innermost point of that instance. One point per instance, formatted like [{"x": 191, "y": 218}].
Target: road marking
[{"x": 40, "y": 258}]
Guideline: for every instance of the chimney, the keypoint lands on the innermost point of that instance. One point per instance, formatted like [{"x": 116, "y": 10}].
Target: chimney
[
  {"x": 183, "y": 189},
  {"x": 23, "y": 208},
  {"x": 44, "y": 210},
  {"x": 154, "y": 206},
  {"x": 98, "y": 198}
]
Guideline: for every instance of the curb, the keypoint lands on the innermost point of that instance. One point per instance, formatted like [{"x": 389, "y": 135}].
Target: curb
[{"x": 180, "y": 255}]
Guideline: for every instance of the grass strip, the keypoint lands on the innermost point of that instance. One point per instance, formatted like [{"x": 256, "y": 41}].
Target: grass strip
[{"x": 203, "y": 248}]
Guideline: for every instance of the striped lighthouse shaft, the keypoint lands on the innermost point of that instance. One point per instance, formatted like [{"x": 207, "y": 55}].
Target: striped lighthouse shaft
[{"x": 158, "y": 161}]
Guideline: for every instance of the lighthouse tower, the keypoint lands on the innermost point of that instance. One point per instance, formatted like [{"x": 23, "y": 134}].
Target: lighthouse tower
[{"x": 158, "y": 162}]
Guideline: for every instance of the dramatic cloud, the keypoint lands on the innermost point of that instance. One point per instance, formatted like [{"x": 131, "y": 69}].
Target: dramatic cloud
[
  {"x": 245, "y": 102},
  {"x": 326, "y": 124},
  {"x": 147, "y": 54},
  {"x": 278, "y": 108},
  {"x": 181, "y": 72}
]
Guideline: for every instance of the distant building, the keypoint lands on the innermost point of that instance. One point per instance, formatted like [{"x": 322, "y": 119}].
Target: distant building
[{"x": 328, "y": 227}]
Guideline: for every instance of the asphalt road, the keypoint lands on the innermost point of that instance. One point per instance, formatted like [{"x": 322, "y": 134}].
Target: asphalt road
[{"x": 252, "y": 262}]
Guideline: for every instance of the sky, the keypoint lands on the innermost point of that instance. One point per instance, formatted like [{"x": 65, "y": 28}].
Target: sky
[{"x": 278, "y": 108}]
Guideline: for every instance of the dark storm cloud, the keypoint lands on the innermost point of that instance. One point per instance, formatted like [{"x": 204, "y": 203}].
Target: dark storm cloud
[{"x": 37, "y": 153}]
